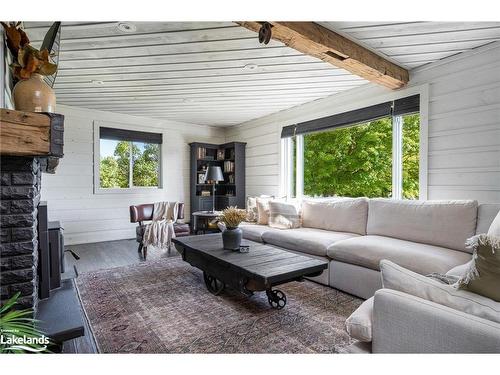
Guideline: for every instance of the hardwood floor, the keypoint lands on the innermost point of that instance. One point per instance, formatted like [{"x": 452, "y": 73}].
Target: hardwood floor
[
  {"x": 103, "y": 255},
  {"x": 98, "y": 256}
]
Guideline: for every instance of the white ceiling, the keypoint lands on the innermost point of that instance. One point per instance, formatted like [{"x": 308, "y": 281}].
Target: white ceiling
[
  {"x": 413, "y": 44},
  {"x": 201, "y": 72}
]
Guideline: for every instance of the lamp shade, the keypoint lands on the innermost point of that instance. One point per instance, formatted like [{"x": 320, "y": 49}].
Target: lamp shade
[{"x": 214, "y": 173}]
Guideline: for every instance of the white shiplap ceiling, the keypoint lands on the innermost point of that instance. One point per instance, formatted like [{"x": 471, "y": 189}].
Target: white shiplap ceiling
[
  {"x": 413, "y": 44},
  {"x": 217, "y": 73}
]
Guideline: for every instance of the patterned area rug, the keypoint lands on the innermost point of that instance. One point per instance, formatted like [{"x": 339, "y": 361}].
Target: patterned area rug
[{"x": 164, "y": 307}]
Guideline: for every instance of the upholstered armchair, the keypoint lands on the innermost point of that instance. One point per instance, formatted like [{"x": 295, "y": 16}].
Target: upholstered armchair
[{"x": 144, "y": 212}]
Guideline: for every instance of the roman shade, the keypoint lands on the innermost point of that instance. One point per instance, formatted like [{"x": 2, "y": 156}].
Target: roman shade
[
  {"x": 405, "y": 106},
  {"x": 130, "y": 135},
  {"x": 397, "y": 107}
]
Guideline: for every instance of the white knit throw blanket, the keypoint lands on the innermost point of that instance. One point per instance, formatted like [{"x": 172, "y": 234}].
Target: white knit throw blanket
[{"x": 160, "y": 231}]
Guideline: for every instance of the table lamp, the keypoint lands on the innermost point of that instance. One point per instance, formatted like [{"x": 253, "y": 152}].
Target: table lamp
[{"x": 214, "y": 175}]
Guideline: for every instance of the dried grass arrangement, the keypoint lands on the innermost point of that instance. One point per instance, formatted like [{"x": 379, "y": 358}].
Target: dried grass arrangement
[
  {"x": 27, "y": 59},
  {"x": 232, "y": 217}
]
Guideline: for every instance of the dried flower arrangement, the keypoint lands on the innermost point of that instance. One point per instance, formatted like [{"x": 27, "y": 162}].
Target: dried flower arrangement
[
  {"x": 27, "y": 59},
  {"x": 232, "y": 217}
]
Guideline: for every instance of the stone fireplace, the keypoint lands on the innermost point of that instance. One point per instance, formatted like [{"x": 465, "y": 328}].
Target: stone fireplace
[
  {"x": 30, "y": 143},
  {"x": 20, "y": 196}
]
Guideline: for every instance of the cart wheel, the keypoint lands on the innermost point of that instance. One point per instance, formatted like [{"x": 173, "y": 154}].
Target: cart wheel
[
  {"x": 214, "y": 285},
  {"x": 276, "y": 298}
]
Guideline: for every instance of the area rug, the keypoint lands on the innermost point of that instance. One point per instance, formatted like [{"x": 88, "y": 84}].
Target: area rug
[{"x": 164, "y": 307}]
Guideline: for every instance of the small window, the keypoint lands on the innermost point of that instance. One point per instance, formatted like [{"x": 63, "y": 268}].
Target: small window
[{"x": 129, "y": 159}]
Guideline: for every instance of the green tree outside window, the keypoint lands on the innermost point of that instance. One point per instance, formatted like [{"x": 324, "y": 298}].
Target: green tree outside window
[
  {"x": 115, "y": 169},
  {"x": 357, "y": 161}
]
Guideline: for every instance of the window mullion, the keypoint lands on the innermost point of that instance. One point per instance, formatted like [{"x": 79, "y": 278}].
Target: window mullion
[
  {"x": 397, "y": 157},
  {"x": 284, "y": 172},
  {"x": 289, "y": 169},
  {"x": 131, "y": 165}
]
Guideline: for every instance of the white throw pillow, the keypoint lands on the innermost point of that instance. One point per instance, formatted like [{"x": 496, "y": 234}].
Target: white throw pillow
[
  {"x": 459, "y": 270},
  {"x": 252, "y": 212},
  {"x": 359, "y": 324},
  {"x": 495, "y": 226},
  {"x": 283, "y": 215},
  {"x": 406, "y": 281},
  {"x": 263, "y": 210}
]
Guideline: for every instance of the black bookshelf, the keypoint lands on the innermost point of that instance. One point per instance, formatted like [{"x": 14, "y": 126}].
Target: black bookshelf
[{"x": 231, "y": 158}]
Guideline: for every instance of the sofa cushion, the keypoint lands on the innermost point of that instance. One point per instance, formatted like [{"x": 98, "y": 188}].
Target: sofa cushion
[
  {"x": 440, "y": 223},
  {"x": 253, "y": 232},
  {"x": 398, "y": 278},
  {"x": 359, "y": 324},
  {"x": 341, "y": 215},
  {"x": 305, "y": 240},
  {"x": 283, "y": 215},
  {"x": 368, "y": 251}
]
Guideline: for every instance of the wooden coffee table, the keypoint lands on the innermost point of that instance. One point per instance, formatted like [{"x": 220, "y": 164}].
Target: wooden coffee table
[{"x": 261, "y": 269}]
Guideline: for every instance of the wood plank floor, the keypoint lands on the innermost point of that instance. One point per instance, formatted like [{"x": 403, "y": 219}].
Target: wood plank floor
[
  {"x": 110, "y": 254},
  {"x": 99, "y": 256}
]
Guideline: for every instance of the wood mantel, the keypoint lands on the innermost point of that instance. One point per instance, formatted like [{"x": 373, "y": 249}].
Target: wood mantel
[{"x": 31, "y": 134}]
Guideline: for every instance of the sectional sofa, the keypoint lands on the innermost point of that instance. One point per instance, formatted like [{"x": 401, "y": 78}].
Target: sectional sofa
[{"x": 355, "y": 234}]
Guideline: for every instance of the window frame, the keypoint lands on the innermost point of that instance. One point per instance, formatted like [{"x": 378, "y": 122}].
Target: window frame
[
  {"x": 97, "y": 165},
  {"x": 397, "y": 180}
]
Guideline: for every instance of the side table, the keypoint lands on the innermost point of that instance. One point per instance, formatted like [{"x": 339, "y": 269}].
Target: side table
[{"x": 201, "y": 221}]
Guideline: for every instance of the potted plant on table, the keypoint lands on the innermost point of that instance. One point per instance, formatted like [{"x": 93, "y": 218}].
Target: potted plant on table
[{"x": 231, "y": 217}]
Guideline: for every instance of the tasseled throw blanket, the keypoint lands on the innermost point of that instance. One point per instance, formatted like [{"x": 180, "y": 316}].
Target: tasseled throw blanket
[{"x": 160, "y": 231}]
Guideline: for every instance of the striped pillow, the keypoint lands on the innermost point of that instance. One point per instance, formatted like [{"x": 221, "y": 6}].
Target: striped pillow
[{"x": 283, "y": 215}]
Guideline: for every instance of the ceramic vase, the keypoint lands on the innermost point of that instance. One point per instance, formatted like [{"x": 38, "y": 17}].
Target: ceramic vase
[
  {"x": 231, "y": 238},
  {"x": 34, "y": 95}
]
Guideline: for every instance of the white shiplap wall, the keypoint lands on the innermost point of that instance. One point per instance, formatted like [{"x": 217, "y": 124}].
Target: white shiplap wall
[
  {"x": 89, "y": 217},
  {"x": 463, "y": 127}
]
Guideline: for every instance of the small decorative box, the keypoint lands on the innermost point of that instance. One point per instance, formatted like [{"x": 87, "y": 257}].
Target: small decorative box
[{"x": 244, "y": 249}]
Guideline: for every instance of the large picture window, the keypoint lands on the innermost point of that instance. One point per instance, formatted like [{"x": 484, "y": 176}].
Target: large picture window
[
  {"x": 129, "y": 159},
  {"x": 374, "y": 158}
]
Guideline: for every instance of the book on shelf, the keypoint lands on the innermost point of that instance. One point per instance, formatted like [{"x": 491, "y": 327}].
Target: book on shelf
[
  {"x": 228, "y": 166},
  {"x": 201, "y": 153}
]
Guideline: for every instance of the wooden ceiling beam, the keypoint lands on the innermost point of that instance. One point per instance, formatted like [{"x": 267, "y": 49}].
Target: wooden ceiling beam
[{"x": 315, "y": 40}]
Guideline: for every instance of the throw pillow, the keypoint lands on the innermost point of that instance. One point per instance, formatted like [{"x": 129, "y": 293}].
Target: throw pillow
[
  {"x": 459, "y": 270},
  {"x": 399, "y": 278},
  {"x": 495, "y": 226},
  {"x": 263, "y": 210},
  {"x": 283, "y": 215},
  {"x": 252, "y": 212},
  {"x": 359, "y": 324},
  {"x": 483, "y": 274}
]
